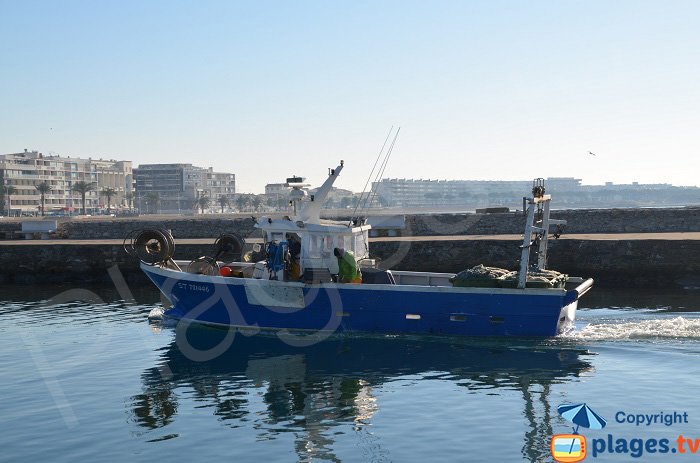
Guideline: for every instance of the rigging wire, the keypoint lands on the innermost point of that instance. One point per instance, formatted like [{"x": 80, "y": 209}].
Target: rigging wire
[
  {"x": 380, "y": 173},
  {"x": 369, "y": 177},
  {"x": 373, "y": 192}
]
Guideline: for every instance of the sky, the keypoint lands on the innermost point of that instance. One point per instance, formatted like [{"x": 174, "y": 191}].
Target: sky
[{"x": 492, "y": 89}]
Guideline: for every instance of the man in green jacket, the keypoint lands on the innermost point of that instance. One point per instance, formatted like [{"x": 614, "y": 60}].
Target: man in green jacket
[{"x": 347, "y": 266}]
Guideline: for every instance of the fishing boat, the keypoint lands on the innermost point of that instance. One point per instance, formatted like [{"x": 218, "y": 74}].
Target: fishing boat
[{"x": 294, "y": 286}]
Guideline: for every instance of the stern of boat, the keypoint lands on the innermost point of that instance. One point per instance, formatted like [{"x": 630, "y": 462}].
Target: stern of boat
[{"x": 567, "y": 314}]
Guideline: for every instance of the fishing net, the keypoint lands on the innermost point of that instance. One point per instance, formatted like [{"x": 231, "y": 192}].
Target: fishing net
[{"x": 481, "y": 276}]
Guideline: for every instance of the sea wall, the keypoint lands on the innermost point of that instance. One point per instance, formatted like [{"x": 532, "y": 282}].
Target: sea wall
[
  {"x": 76, "y": 263},
  {"x": 613, "y": 263},
  {"x": 210, "y": 226}
]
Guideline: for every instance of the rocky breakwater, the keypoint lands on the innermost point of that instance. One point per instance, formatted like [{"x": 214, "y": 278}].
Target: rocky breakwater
[
  {"x": 92, "y": 228},
  {"x": 682, "y": 219},
  {"x": 181, "y": 227}
]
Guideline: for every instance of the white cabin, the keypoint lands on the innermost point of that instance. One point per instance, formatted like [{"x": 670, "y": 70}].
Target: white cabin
[
  {"x": 318, "y": 237},
  {"x": 318, "y": 240}
]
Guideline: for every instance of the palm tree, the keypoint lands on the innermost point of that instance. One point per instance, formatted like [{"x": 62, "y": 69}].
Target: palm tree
[
  {"x": 383, "y": 202},
  {"x": 83, "y": 188},
  {"x": 241, "y": 202},
  {"x": 8, "y": 191},
  {"x": 203, "y": 202},
  {"x": 108, "y": 193},
  {"x": 223, "y": 202},
  {"x": 129, "y": 196},
  {"x": 43, "y": 188},
  {"x": 256, "y": 201},
  {"x": 152, "y": 199}
]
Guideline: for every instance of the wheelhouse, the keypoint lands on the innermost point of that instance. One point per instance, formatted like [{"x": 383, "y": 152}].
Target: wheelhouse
[{"x": 317, "y": 241}]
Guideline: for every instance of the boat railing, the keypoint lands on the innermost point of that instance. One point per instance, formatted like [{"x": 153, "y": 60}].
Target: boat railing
[
  {"x": 184, "y": 264},
  {"x": 584, "y": 287}
]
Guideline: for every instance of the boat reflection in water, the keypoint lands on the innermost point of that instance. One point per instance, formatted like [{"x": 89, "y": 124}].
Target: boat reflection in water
[{"x": 280, "y": 386}]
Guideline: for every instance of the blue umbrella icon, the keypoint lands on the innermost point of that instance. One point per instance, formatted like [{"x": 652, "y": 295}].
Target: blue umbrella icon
[{"x": 581, "y": 415}]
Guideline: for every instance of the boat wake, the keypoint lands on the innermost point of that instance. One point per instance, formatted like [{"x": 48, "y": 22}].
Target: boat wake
[{"x": 671, "y": 328}]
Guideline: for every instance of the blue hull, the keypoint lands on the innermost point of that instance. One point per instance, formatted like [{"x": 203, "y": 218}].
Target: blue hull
[{"x": 328, "y": 308}]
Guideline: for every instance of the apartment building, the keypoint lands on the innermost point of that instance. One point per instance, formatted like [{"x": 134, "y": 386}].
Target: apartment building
[
  {"x": 176, "y": 187},
  {"x": 23, "y": 171},
  {"x": 568, "y": 192}
]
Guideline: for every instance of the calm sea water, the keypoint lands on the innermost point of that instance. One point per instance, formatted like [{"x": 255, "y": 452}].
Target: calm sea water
[{"x": 93, "y": 380}]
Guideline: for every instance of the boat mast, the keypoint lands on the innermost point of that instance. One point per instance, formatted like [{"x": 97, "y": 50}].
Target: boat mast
[{"x": 536, "y": 230}]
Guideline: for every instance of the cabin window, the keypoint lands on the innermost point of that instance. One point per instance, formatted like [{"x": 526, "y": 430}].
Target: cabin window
[
  {"x": 412, "y": 316},
  {"x": 275, "y": 236},
  {"x": 320, "y": 246},
  {"x": 328, "y": 244},
  {"x": 315, "y": 247}
]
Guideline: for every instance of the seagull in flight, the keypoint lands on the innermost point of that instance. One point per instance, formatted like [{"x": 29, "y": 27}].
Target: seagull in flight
[{"x": 591, "y": 153}]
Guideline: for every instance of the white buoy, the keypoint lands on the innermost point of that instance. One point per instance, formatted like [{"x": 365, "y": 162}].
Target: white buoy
[{"x": 156, "y": 314}]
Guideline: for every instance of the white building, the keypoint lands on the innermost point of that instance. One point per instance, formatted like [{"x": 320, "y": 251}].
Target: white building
[
  {"x": 23, "y": 171},
  {"x": 568, "y": 191},
  {"x": 178, "y": 186}
]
